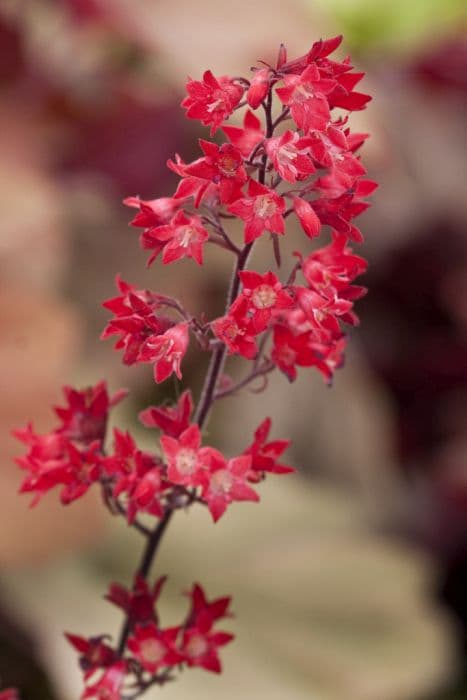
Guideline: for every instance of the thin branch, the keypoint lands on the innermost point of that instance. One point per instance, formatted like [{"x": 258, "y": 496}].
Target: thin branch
[{"x": 268, "y": 367}]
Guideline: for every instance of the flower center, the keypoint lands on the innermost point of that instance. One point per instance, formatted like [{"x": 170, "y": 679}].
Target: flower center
[
  {"x": 197, "y": 646},
  {"x": 264, "y": 296},
  {"x": 188, "y": 233},
  {"x": 221, "y": 481},
  {"x": 186, "y": 461},
  {"x": 264, "y": 206},
  {"x": 152, "y": 651},
  {"x": 228, "y": 164},
  {"x": 304, "y": 92},
  {"x": 218, "y": 104}
]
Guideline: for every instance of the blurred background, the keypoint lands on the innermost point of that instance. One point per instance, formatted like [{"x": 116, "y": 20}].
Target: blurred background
[{"x": 350, "y": 580}]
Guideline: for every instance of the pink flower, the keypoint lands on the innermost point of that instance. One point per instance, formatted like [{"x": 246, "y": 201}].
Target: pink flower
[
  {"x": 261, "y": 210},
  {"x": 212, "y": 100},
  {"x": 171, "y": 420},
  {"x": 184, "y": 237},
  {"x": 227, "y": 482},
  {"x": 167, "y": 351},
  {"x": 290, "y": 156},
  {"x": 305, "y": 94}
]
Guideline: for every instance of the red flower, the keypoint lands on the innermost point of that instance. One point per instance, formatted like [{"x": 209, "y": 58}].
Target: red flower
[
  {"x": 329, "y": 357},
  {"x": 331, "y": 149},
  {"x": 306, "y": 215},
  {"x": 212, "y": 100},
  {"x": 171, "y": 420},
  {"x": 166, "y": 350},
  {"x": 53, "y": 460},
  {"x": 154, "y": 648},
  {"x": 108, "y": 687},
  {"x": 248, "y": 137},
  {"x": 136, "y": 474},
  {"x": 319, "y": 50},
  {"x": 85, "y": 417},
  {"x": 200, "y": 606},
  {"x": 261, "y": 210},
  {"x": 139, "y": 603},
  {"x": 200, "y": 643},
  {"x": 185, "y": 464},
  {"x": 83, "y": 469},
  {"x": 227, "y": 482},
  {"x": 339, "y": 211},
  {"x": 290, "y": 156},
  {"x": 223, "y": 166},
  {"x": 259, "y": 87},
  {"x": 236, "y": 330},
  {"x": 154, "y": 212},
  {"x": 94, "y": 653},
  {"x": 184, "y": 237},
  {"x": 322, "y": 311},
  {"x": 265, "y": 296},
  {"x": 135, "y": 319},
  {"x": 201, "y": 648},
  {"x": 291, "y": 350},
  {"x": 336, "y": 266},
  {"x": 265, "y": 455},
  {"x": 305, "y": 95}
]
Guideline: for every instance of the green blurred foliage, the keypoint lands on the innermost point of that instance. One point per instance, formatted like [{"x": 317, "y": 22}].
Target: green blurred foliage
[{"x": 398, "y": 25}]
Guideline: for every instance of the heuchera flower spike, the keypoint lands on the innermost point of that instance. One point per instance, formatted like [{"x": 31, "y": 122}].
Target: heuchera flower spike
[{"x": 290, "y": 159}]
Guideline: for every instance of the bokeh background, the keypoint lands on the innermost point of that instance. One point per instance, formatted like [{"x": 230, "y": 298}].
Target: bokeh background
[{"x": 350, "y": 580}]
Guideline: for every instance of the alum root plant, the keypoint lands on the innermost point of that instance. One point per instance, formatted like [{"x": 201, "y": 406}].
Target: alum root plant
[{"x": 293, "y": 156}]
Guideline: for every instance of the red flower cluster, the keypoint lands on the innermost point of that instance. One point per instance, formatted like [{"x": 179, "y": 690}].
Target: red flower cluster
[
  {"x": 310, "y": 170},
  {"x": 152, "y": 653},
  {"x": 68, "y": 456},
  {"x": 300, "y": 161},
  {"x": 136, "y": 481}
]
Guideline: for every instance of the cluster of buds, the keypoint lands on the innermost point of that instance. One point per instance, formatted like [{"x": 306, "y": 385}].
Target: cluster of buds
[{"x": 298, "y": 161}]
